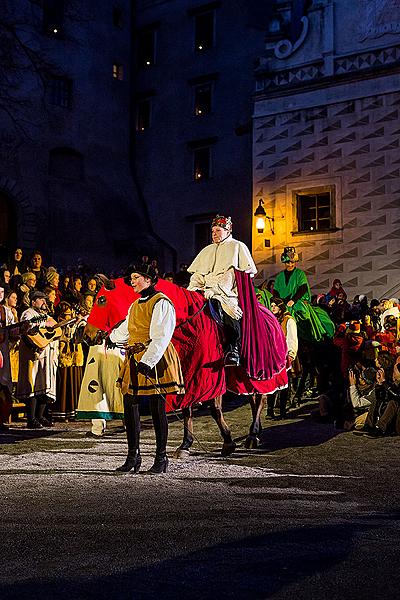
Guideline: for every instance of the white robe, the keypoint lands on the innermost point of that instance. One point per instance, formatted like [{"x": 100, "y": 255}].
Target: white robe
[
  {"x": 214, "y": 273},
  {"x": 37, "y": 368}
]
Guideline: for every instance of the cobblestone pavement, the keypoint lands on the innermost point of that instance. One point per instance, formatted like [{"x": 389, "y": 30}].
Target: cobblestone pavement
[{"x": 313, "y": 513}]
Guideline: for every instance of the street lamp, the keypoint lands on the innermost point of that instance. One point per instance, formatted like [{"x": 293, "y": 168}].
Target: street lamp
[{"x": 260, "y": 216}]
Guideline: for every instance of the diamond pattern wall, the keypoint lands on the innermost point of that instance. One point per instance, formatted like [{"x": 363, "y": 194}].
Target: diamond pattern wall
[{"x": 355, "y": 147}]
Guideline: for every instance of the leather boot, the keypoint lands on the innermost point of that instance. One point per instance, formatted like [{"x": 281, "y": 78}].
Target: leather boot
[
  {"x": 133, "y": 461},
  {"x": 160, "y": 464}
]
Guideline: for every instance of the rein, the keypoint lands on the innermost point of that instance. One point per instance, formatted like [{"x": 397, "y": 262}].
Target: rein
[{"x": 192, "y": 317}]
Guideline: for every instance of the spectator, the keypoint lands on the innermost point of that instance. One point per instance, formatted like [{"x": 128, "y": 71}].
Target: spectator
[
  {"x": 27, "y": 286},
  {"x": 16, "y": 263},
  {"x": 182, "y": 278},
  {"x": 36, "y": 267},
  {"x": 52, "y": 281},
  {"x": 70, "y": 367},
  {"x": 288, "y": 324},
  {"x": 336, "y": 289},
  {"x": 169, "y": 277},
  {"x": 388, "y": 394},
  {"x": 91, "y": 286}
]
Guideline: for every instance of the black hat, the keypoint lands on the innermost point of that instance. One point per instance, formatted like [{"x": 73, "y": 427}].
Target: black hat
[
  {"x": 143, "y": 269},
  {"x": 36, "y": 294}
]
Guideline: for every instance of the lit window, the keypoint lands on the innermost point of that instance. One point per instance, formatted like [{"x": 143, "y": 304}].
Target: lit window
[
  {"x": 53, "y": 17},
  {"x": 204, "y": 24},
  {"x": 59, "y": 91},
  {"x": 147, "y": 47},
  {"x": 202, "y": 99},
  {"x": 118, "y": 71},
  {"x": 143, "y": 114},
  {"x": 315, "y": 211},
  {"x": 202, "y": 163}
]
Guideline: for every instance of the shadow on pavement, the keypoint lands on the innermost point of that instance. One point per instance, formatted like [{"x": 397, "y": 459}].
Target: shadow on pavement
[
  {"x": 295, "y": 435},
  {"x": 256, "y": 567}
]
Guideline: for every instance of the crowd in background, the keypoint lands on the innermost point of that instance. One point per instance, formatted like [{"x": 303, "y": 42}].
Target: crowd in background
[{"x": 355, "y": 376}]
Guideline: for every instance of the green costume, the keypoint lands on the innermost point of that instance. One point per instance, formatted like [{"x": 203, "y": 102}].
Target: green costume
[
  {"x": 313, "y": 323},
  {"x": 264, "y": 297}
]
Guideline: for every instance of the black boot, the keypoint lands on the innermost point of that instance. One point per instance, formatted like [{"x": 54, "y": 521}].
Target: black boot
[
  {"x": 132, "y": 423},
  {"x": 160, "y": 422},
  {"x": 133, "y": 461},
  {"x": 160, "y": 465}
]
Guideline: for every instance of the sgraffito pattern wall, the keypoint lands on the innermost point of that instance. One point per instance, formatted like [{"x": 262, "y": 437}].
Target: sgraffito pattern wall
[{"x": 354, "y": 146}]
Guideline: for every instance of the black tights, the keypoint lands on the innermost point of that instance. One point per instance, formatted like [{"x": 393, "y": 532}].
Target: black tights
[{"x": 132, "y": 423}]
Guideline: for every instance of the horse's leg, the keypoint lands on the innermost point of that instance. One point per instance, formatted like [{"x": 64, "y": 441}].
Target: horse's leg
[
  {"x": 257, "y": 403},
  {"x": 216, "y": 412},
  {"x": 183, "y": 450}
]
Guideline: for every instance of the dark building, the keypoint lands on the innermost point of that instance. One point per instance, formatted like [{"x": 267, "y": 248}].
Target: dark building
[
  {"x": 66, "y": 178},
  {"x": 193, "y": 90}
]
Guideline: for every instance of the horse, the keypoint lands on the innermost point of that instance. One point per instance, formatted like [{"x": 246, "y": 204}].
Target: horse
[{"x": 199, "y": 343}]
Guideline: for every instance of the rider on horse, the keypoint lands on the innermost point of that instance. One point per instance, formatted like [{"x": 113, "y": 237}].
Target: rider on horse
[{"x": 213, "y": 273}]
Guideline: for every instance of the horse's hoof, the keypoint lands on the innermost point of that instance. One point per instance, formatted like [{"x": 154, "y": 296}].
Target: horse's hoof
[
  {"x": 251, "y": 442},
  {"x": 228, "y": 448},
  {"x": 181, "y": 454}
]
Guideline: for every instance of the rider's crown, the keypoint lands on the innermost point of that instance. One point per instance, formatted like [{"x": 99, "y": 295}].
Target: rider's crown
[{"x": 221, "y": 221}]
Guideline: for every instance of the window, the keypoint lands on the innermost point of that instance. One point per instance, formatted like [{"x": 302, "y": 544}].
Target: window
[
  {"x": 314, "y": 209},
  {"x": 143, "y": 114},
  {"x": 118, "y": 71},
  {"x": 202, "y": 163},
  {"x": 204, "y": 24},
  {"x": 147, "y": 47},
  {"x": 66, "y": 163},
  {"x": 59, "y": 91},
  {"x": 202, "y": 99},
  {"x": 117, "y": 17},
  {"x": 53, "y": 17}
]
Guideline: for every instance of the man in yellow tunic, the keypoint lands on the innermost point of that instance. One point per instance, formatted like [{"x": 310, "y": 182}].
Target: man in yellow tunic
[{"x": 153, "y": 365}]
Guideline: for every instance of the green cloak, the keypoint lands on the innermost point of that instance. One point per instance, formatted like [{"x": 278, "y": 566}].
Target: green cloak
[{"x": 313, "y": 323}]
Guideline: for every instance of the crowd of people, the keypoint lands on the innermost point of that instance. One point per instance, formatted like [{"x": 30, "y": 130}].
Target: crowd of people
[
  {"x": 356, "y": 374},
  {"x": 345, "y": 354}
]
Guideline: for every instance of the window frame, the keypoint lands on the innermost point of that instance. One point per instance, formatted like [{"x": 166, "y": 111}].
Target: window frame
[
  {"x": 118, "y": 71},
  {"x": 149, "y": 29},
  {"x": 316, "y": 191},
  {"x": 196, "y": 45},
  {"x": 53, "y": 89},
  {"x": 139, "y": 102},
  {"x": 195, "y": 88},
  {"x": 197, "y": 178}
]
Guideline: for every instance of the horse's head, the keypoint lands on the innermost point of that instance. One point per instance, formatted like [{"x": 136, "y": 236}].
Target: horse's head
[{"x": 111, "y": 306}]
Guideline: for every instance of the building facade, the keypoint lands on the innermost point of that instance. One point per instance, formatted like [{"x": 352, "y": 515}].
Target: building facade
[
  {"x": 66, "y": 182},
  {"x": 194, "y": 84},
  {"x": 326, "y": 145}
]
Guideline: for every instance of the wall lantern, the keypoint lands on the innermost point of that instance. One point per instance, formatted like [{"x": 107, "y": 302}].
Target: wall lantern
[{"x": 261, "y": 216}]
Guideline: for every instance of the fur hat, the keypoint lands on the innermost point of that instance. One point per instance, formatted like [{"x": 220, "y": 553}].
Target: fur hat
[
  {"x": 221, "y": 221},
  {"x": 289, "y": 254}
]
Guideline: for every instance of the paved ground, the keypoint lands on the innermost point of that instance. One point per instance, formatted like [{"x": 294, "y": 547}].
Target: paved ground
[{"x": 313, "y": 514}]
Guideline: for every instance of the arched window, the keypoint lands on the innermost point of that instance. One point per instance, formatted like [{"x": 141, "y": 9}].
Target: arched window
[{"x": 66, "y": 163}]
